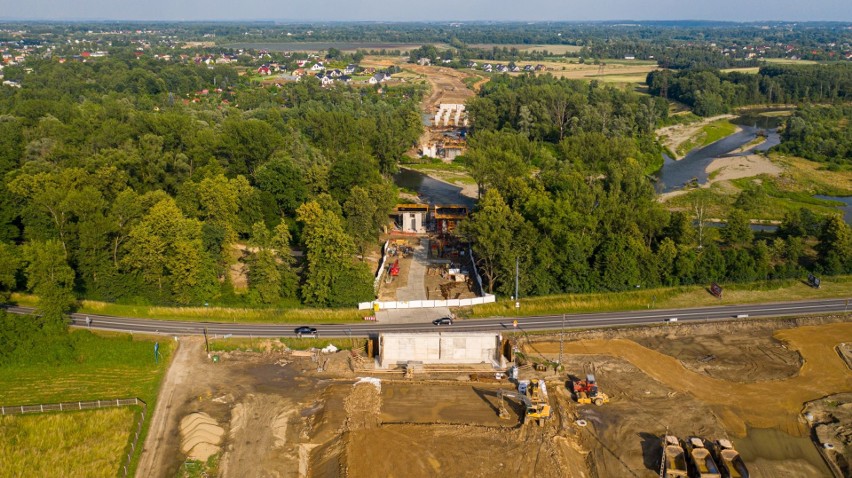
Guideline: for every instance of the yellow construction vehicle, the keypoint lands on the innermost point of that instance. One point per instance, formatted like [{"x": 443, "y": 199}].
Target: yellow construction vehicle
[
  {"x": 586, "y": 391},
  {"x": 534, "y": 397}
]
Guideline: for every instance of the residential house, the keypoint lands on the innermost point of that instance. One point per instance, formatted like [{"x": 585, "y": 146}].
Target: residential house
[
  {"x": 379, "y": 78},
  {"x": 335, "y": 73},
  {"x": 472, "y": 64},
  {"x": 351, "y": 68},
  {"x": 502, "y": 68},
  {"x": 318, "y": 66}
]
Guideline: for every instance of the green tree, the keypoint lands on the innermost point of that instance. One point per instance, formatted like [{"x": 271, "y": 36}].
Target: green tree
[
  {"x": 329, "y": 252},
  {"x": 50, "y": 278}
]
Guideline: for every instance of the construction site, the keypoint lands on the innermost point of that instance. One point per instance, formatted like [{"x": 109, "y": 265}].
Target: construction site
[
  {"x": 423, "y": 260},
  {"x": 772, "y": 395}
]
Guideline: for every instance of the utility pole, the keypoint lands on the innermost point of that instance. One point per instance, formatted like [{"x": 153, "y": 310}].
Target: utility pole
[
  {"x": 561, "y": 339},
  {"x": 517, "y": 297}
]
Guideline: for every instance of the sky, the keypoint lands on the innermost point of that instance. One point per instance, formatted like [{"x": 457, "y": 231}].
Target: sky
[{"x": 428, "y": 10}]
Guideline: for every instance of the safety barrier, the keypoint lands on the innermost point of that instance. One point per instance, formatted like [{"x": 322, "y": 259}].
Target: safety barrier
[{"x": 425, "y": 304}]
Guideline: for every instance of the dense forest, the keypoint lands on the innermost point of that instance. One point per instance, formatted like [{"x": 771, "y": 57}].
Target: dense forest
[
  {"x": 820, "y": 134},
  {"x": 134, "y": 180},
  {"x": 710, "y": 92},
  {"x": 562, "y": 165}
]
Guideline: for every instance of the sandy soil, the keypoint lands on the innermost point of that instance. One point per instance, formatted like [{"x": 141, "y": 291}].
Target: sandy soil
[
  {"x": 673, "y": 136},
  {"x": 163, "y": 435},
  {"x": 732, "y": 167},
  {"x": 735, "y": 167},
  {"x": 751, "y": 383}
]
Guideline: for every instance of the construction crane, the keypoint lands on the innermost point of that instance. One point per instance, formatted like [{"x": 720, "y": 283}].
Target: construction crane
[
  {"x": 587, "y": 391},
  {"x": 534, "y": 398}
]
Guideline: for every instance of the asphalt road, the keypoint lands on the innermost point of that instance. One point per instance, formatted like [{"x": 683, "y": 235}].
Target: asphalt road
[{"x": 495, "y": 324}]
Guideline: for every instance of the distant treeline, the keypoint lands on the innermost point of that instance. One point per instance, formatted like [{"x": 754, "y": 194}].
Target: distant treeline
[{"x": 710, "y": 92}]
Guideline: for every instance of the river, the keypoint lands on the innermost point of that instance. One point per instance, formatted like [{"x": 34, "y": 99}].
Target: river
[
  {"x": 431, "y": 190},
  {"x": 675, "y": 174}
]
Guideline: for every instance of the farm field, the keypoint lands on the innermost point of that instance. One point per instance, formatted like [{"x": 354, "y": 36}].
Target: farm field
[
  {"x": 107, "y": 366},
  {"x": 89, "y": 443}
]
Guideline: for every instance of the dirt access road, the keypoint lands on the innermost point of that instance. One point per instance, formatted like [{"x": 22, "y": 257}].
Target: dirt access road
[{"x": 162, "y": 436}]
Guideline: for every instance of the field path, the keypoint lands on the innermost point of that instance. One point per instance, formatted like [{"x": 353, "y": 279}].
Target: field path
[{"x": 161, "y": 440}]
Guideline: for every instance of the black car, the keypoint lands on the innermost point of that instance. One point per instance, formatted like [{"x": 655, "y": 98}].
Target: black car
[
  {"x": 305, "y": 330},
  {"x": 443, "y": 321}
]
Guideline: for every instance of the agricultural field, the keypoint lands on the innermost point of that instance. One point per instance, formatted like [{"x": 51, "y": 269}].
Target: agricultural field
[
  {"x": 87, "y": 443},
  {"x": 107, "y": 366}
]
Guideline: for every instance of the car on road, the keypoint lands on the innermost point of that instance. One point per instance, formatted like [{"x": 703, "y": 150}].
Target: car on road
[
  {"x": 443, "y": 321},
  {"x": 305, "y": 330}
]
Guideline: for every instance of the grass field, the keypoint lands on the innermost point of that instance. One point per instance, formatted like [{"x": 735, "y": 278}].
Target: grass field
[
  {"x": 708, "y": 134},
  {"x": 88, "y": 443},
  {"x": 669, "y": 298},
  {"x": 106, "y": 366}
]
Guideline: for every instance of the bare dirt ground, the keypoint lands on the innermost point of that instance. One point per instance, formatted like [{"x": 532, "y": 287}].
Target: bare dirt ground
[
  {"x": 746, "y": 382},
  {"x": 735, "y": 167},
  {"x": 749, "y": 381}
]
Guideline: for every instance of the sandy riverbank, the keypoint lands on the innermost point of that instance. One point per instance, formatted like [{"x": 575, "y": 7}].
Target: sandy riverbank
[{"x": 673, "y": 136}]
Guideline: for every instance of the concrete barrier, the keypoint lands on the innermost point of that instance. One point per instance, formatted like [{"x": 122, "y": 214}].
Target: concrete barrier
[{"x": 428, "y": 304}]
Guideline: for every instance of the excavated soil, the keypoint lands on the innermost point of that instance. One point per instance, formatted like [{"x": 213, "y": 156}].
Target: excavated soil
[{"x": 283, "y": 418}]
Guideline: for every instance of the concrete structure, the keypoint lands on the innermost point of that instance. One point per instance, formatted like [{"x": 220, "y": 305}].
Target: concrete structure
[
  {"x": 411, "y": 217},
  {"x": 430, "y": 348}
]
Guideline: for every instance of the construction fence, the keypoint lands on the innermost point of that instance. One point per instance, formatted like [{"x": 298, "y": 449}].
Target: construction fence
[
  {"x": 90, "y": 405},
  {"x": 418, "y": 304}
]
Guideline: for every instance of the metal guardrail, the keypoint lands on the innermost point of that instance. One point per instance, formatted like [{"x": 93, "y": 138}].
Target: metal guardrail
[{"x": 89, "y": 405}]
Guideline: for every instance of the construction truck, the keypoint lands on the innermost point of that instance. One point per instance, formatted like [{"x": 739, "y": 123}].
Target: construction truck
[
  {"x": 587, "y": 391},
  {"x": 534, "y": 398}
]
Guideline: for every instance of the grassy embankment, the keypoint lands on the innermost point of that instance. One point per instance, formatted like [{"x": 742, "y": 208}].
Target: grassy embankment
[
  {"x": 214, "y": 314},
  {"x": 88, "y": 443},
  {"x": 669, "y": 298},
  {"x": 106, "y": 366},
  {"x": 709, "y": 133},
  {"x": 284, "y": 343}
]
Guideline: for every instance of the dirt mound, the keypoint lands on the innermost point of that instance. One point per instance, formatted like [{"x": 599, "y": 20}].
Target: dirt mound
[
  {"x": 200, "y": 436},
  {"x": 831, "y": 419},
  {"x": 364, "y": 404}
]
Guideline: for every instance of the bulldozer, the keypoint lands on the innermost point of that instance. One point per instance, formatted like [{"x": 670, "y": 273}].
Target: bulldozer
[
  {"x": 534, "y": 398},
  {"x": 587, "y": 391}
]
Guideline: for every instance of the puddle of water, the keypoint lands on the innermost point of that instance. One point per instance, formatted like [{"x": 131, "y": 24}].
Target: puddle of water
[
  {"x": 770, "y": 452},
  {"x": 846, "y": 208}
]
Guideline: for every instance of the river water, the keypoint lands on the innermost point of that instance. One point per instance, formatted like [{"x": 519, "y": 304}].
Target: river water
[
  {"x": 675, "y": 174},
  {"x": 430, "y": 190}
]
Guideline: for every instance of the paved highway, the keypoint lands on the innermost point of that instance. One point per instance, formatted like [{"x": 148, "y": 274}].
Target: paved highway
[{"x": 549, "y": 322}]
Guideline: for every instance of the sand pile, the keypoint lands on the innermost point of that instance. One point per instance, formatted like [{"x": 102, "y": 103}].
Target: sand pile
[{"x": 200, "y": 436}]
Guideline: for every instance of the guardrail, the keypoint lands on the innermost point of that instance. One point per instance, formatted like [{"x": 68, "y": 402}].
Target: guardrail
[{"x": 89, "y": 405}]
